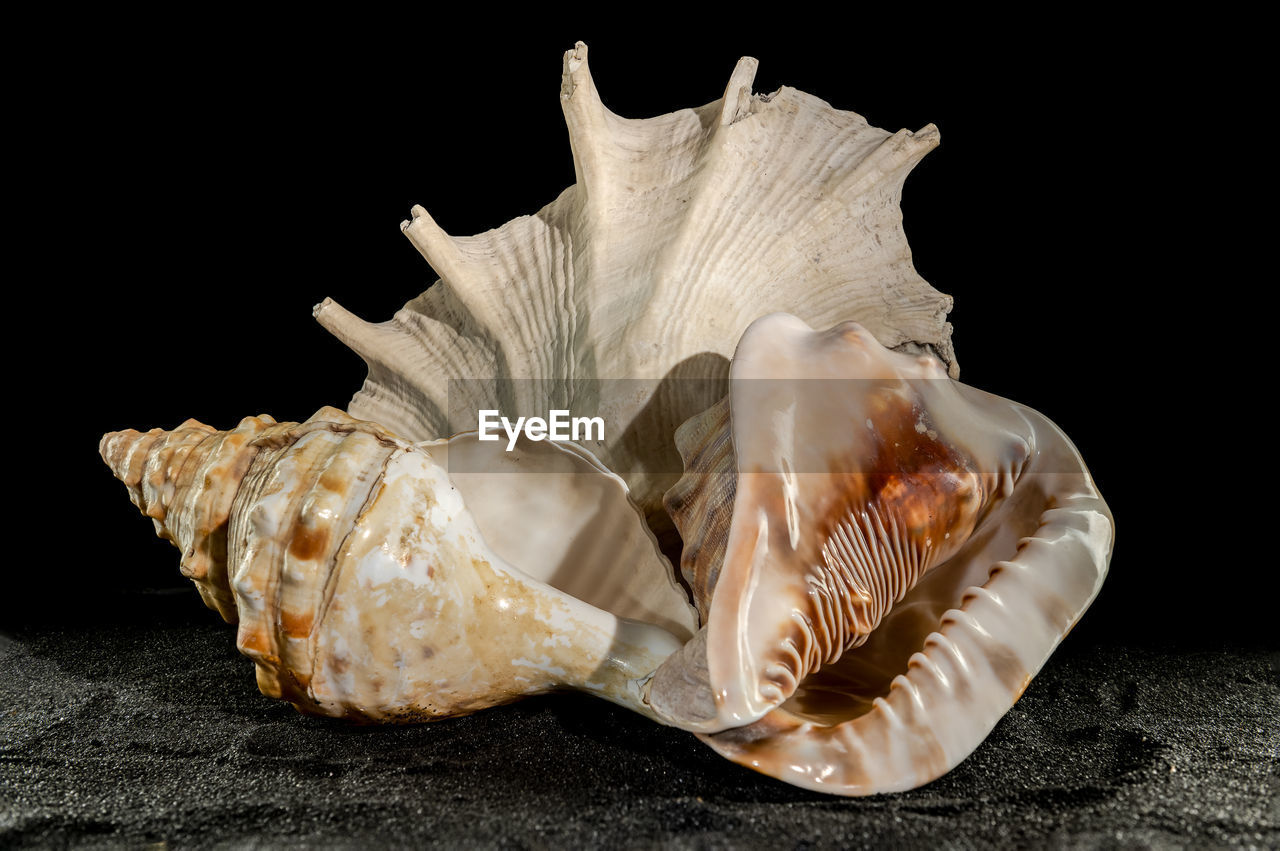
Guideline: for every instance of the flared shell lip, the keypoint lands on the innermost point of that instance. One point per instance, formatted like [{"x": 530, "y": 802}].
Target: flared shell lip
[{"x": 1067, "y": 554}]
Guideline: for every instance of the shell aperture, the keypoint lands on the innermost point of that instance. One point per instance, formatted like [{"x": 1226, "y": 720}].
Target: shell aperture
[{"x": 883, "y": 558}]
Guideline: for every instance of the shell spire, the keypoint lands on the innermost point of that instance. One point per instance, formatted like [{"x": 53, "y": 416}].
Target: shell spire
[{"x": 184, "y": 480}]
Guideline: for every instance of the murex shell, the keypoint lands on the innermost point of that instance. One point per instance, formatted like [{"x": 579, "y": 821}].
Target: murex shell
[
  {"x": 679, "y": 232},
  {"x": 879, "y": 557}
]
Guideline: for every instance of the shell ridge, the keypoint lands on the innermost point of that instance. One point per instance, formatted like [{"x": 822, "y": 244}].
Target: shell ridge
[
  {"x": 254, "y": 587},
  {"x": 334, "y": 559},
  {"x": 339, "y": 559}
]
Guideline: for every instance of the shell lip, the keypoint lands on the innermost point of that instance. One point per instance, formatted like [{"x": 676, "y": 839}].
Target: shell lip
[{"x": 731, "y": 687}]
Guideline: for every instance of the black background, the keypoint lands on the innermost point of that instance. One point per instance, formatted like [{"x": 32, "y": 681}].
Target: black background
[{"x": 190, "y": 192}]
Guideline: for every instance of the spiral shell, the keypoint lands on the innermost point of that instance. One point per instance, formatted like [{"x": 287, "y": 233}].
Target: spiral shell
[{"x": 362, "y": 581}]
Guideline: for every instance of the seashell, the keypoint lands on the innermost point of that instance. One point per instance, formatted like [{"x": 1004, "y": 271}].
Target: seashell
[
  {"x": 378, "y": 579},
  {"x": 882, "y": 558},
  {"x": 679, "y": 232}
]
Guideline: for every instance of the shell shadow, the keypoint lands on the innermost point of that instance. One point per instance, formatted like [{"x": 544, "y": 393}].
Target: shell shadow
[{"x": 688, "y": 389}]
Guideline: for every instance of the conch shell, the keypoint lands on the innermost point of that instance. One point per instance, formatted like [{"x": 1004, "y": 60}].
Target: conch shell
[
  {"x": 882, "y": 558},
  {"x": 680, "y": 231},
  {"x": 365, "y": 585}
]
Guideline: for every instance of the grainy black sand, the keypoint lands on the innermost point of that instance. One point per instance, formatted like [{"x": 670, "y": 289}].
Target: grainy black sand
[{"x": 125, "y": 735}]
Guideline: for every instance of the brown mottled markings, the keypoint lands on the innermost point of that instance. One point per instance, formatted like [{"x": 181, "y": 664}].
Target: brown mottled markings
[
  {"x": 308, "y": 541},
  {"x": 333, "y": 482},
  {"x": 253, "y": 641},
  {"x": 296, "y": 624},
  {"x": 407, "y": 533}
]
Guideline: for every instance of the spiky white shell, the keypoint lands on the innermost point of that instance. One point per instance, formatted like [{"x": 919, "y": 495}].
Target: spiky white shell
[{"x": 680, "y": 231}]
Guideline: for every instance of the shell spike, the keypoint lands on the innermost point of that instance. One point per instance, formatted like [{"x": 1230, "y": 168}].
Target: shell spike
[
  {"x": 588, "y": 120},
  {"x": 737, "y": 95},
  {"x": 472, "y": 284},
  {"x": 891, "y": 160},
  {"x": 576, "y": 72},
  {"x": 343, "y": 324},
  {"x": 440, "y": 249}
]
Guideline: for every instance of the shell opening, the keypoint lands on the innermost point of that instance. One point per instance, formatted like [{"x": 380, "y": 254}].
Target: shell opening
[
  {"x": 882, "y": 560},
  {"x": 550, "y": 510}
]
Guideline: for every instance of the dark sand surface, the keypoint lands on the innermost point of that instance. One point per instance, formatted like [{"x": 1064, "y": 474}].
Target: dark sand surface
[{"x": 126, "y": 734}]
